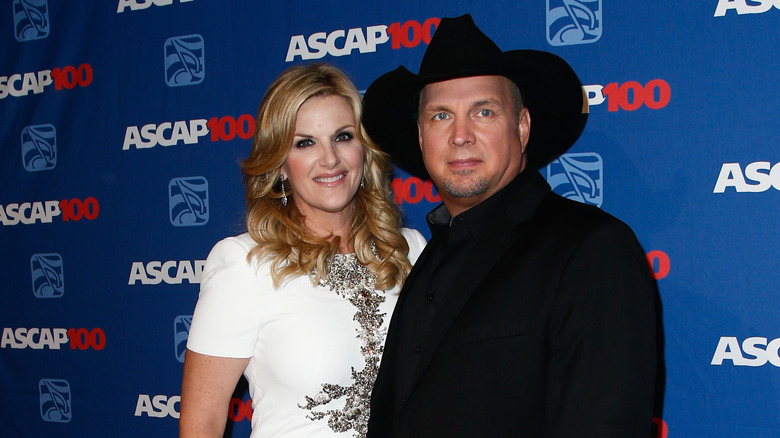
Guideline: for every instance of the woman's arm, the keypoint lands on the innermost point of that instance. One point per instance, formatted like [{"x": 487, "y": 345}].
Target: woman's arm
[{"x": 206, "y": 388}]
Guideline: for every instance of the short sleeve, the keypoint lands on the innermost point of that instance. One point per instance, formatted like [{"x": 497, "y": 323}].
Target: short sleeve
[
  {"x": 225, "y": 321},
  {"x": 416, "y": 243}
]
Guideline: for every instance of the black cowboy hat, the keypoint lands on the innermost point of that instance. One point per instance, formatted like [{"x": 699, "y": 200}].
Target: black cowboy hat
[{"x": 551, "y": 91}]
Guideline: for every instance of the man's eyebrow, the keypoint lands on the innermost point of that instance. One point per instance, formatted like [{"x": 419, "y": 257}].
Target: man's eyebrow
[
  {"x": 435, "y": 108},
  {"x": 475, "y": 104},
  {"x": 485, "y": 102}
]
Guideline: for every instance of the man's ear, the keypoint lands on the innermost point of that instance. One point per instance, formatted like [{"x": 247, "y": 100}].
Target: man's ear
[
  {"x": 419, "y": 135},
  {"x": 524, "y": 127}
]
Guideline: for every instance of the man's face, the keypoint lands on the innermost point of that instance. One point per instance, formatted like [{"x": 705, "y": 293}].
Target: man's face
[{"x": 471, "y": 141}]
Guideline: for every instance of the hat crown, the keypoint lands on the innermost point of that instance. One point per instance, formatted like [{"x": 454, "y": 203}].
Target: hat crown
[{"x": 459, "y": 46}]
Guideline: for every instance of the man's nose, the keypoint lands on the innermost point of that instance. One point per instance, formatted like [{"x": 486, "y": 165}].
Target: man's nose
[{"x": 462, "y": 132}]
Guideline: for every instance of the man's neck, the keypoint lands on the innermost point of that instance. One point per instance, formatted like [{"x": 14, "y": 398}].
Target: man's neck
[{"x": 458, "y": 205}]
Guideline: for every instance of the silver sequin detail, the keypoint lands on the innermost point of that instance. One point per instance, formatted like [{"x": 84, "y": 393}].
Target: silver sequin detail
[{"x": 356, "y": 283}]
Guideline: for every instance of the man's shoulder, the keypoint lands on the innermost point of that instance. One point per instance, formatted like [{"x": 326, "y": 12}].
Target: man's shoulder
[
  {"x": 564, "y": 215},
  {"x": 571, "y": 210}
]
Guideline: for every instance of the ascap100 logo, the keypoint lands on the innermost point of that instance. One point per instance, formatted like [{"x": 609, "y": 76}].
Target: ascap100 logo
[
  {"x": 185, "y": 60},
  {"x": 758, "y": 350},
  {"x": 188, "y": 201},
  {"x": 630, "y": 95},
  {"x": 21, "y": 84},
  {"x": 742, "y": 6},
  {"x": 342, "y": 43},
  {"x": 55, "y": 400},
  {"x": 573, "y": 22},
  {"x": 135, "y": 5},
  {"x": 223, "y": 128},
  {"x": 170, "y": 272},
  {"x": 48, "y": 277},
  {"x": 28, "y": 213},
  {"x": 31, "y": 19},
  {"x": 578, "y": 176},
  {"x": 53, "y": 338},
  {"x": 39, "y": 147},
  {"x": 763, "y": 173}
]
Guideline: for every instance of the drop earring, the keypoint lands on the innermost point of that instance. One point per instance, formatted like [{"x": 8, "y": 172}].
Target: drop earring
[
  {"x": 363, "y": 182},
  {"x": 284, "y": 194}
]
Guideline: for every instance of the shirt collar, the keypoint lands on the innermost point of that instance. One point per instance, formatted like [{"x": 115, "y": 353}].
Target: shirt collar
[{"x": 478, "y": 218}]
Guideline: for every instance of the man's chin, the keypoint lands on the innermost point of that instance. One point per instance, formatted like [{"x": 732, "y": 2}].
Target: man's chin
[{"x": 464, "y": 188}]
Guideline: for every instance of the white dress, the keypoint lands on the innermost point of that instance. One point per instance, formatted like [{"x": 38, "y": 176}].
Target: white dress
[{"x": 314, "y": 350}]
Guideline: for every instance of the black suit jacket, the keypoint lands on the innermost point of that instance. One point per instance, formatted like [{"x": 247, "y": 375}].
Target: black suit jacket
[{"x": 548, "y": 330}]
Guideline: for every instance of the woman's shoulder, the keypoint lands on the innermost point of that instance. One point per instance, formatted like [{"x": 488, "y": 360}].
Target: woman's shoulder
[
  {"x": 240, "y": 243},
  {"x": 228, "y": 265},
  {"x": 231, "y": 250},
  {"x": 244, "y": 240}
]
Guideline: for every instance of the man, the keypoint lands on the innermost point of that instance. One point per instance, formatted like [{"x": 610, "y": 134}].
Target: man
[{"x": 527, "y": 315}]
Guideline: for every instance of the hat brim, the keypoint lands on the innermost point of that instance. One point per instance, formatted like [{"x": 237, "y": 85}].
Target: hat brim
[{"x": 550, "y": 88}]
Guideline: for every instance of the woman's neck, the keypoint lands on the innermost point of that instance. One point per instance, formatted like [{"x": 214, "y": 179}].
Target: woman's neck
[{"x": 331, "y": 230}]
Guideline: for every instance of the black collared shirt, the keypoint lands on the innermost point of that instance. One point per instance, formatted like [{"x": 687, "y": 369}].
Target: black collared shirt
[{"x": 452, "y": 239}]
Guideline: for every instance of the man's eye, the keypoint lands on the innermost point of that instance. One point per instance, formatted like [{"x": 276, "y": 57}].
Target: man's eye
[
  {"x": 439, "y": 116},
  {"x": 485, "y": 112}
]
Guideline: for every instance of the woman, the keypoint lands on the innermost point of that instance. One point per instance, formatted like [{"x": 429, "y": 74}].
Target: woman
[{"x": 300, "y": 304}]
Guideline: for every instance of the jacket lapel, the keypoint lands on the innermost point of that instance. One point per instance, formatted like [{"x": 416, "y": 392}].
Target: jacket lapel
[
  {"x": 386, "y": 379},
  {"x": 490, "y": 248}
]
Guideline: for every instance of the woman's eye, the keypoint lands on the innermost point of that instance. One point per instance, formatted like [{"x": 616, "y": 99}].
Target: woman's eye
[
  {"x": 304, "y": 143},
  {"x": 345, "y": 136}
]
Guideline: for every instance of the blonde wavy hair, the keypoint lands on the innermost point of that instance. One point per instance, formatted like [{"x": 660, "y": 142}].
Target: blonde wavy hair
[{"x": 279, "y": 230}]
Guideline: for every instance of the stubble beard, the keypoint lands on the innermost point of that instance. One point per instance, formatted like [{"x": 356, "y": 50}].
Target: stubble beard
[{"x": 463, "y": 187}]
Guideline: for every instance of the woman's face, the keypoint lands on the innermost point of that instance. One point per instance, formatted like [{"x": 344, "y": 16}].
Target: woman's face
[{"x": 325, "y": 163}]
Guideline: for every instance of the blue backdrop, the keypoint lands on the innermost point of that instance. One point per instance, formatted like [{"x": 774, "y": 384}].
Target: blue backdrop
[{"x": 122, "y": 124}]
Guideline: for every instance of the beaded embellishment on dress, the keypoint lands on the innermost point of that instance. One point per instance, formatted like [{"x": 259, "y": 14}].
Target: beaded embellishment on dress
[{"x": 356, "y": 283}]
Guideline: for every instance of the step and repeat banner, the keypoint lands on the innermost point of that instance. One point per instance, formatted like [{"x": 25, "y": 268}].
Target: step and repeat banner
[{"x": 122, "y": 124}]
